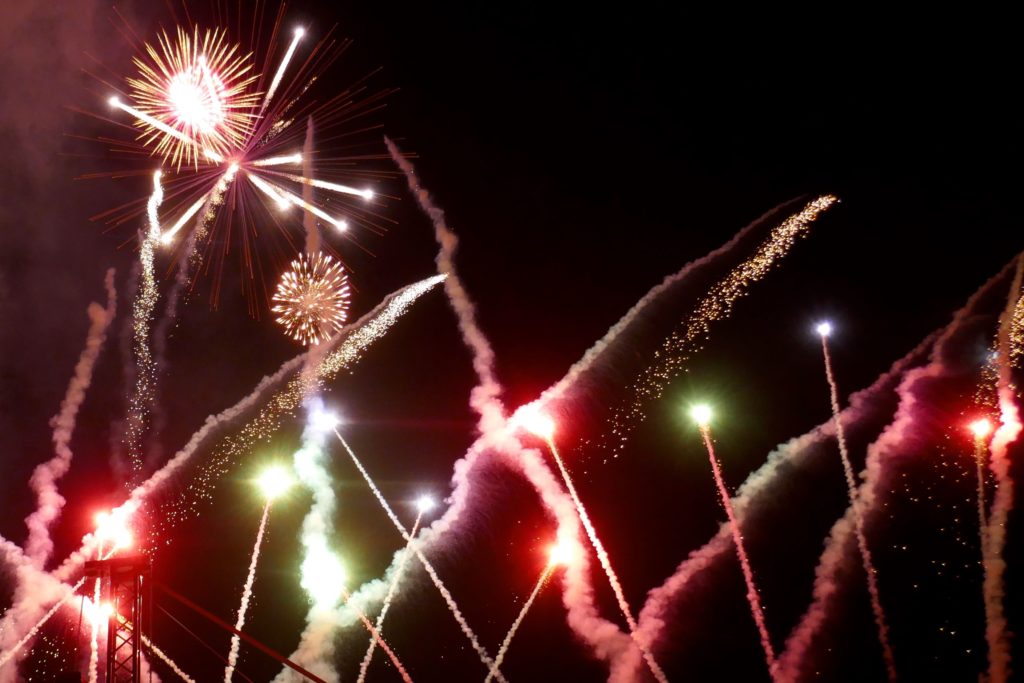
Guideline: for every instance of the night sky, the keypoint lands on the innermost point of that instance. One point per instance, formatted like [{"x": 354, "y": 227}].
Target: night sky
[{"x": 581, "y": 154}]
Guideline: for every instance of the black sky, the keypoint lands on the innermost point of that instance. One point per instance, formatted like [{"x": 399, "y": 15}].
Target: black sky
[{"x": 582, "y": 154}]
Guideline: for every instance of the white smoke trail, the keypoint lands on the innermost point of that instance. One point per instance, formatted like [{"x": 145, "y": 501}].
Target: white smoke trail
[
  {"x": 741, "y": 553},
  {"x": 503, "y": 650},
  {"x": 308, "y": 220},
  {"x": 858, "y": 518},
  {"x": 996, "y": 629},
  {"x": 377, "y": 637},
  {"x": 246, "y": 595},
  {"x": 442, "y": 589},
  {"x": 49, "y": 502},
  {"x": 165, "y": 659},
  {"x": 386, "y": 605},
  {"x": 94, "y": 642}
]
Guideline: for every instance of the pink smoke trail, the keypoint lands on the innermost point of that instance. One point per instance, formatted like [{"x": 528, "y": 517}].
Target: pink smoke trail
[
  {"x": 980, "y": 456},
  {"x": 386, "y": 605},
  {"x": 996, "y": 631},
  {"x": 94, "y": 643},
  {"x": 377, "y": 637},
  {"x": 606, "y": 564},
  {"x": 741, "y": 552},
  {"x": 503, "y": 650},
  {"x": 246, "y": 595},
  {"x": 858, "y": 517},
  {"x": 308, "y": 220},
  {"x": 39, "y": 545}
]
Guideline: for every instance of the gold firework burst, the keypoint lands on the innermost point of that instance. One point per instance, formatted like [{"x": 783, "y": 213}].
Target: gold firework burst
[
  {"x": 193, "y": 93},
  {"x": 312, "y": 298}
]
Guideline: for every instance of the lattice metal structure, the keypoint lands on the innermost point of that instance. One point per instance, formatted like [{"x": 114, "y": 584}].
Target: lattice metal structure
[{"x": 122, "y": 578}]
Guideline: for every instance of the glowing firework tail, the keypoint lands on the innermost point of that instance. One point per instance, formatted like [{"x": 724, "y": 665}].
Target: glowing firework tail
[
  {"x": 246, "y": 595},
  {"x": 279, "y": 74},
  {"x": 312, "y": 299},
  {"x": 982, "y": 429},
  {"x": 996, "y": 632},
  {"x": 377, "y": 637},
  {"x": 606, "y": 564},
  {"x": 142, "y": 312},
  {"x": 386, "y": 605},
  {"x": 737, "y": 537},
  {"x": 44, "y": 479},
  {"x": 8, "y": 654},
  {"x": 445, "y": 593},
  {"x": 858, "y": 517},
  {"x": 94, "y": 643},
  {"x": 162, "y": 656},
  {"x": 503, "y": 650},
  {"x": 308, "y": 224}
]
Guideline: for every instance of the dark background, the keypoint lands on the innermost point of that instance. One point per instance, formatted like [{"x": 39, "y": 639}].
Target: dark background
[{"x": 582, "y": 154}]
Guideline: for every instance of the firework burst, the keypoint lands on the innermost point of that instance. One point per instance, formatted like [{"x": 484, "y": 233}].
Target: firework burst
[
  {"x": 312, "y": 298},
  {"x": 198, "y": 86}
]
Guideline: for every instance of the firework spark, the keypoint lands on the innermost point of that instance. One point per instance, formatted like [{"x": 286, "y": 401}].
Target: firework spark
[
  {"x": 312, "y": 298},
  {"x": 824, "y": 330},
  {"x": 702, "y": 416},
  {"x": 196, "y": 85}
]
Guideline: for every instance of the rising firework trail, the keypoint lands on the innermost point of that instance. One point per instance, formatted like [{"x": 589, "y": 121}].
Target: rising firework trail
[
  {"x": 981, "y": 429},
  {"x": 824, "y": 329},
  {"x": 273, "y": 482},
  {"x": 442, "y": 589},
  {"x": 996, "y": 631},
  {"x": 423, "y": 505},
  {"x": 702, "y": 416},
  {"x": 536, "y": 422},
  {"x": 376, "y": 636},
  {"x": 559, "y": 556}
]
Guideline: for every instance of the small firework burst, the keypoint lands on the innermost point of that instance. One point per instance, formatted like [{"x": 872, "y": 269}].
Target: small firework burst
[
  {"x": 312, "y": 298},
  {"x": 194, "y": 96}
]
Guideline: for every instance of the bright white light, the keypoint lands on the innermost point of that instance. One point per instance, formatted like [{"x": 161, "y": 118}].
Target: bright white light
[
  {"x": 534, "y": 420},
  {"x": 113, "y": 527},
  {"x": 323, "y": 577},
  {"x": 425, "y": 503},
  {"x": 981, "y": 428},
  {"x": 367, "y": 195},
  {"x": 114, "y": 102},
  {"x": 824, "y": 328},
  {"x": 299, "y": 32},
  {"x": 701, "y": 414},
  {"x": 562, "y": 554},
  {"x": 274, "y": 481},
  {"x": 322, "y": 420},
  {"x": 341, "y": 225}
]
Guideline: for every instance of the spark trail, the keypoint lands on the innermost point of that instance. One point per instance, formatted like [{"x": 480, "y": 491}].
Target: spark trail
[
  {"x": 142, "y": 313},
  {"x": 386, "y": 605},
  {"x": 445, "y": 593},
  {"x": 6, "y": 656},
  {"x": 229, "y": 671},
  {"x": 981, "y": 429},
  {"x": 741, "y": 552},
  {"x": 996, "y": 631},
  {"x": 49, "y": 502},
  {"x": 94, "y": 643},
  {"x": 855, "y": 506},
  {"x": 606, "y": 564},
  {"x": 377, "y": 637},
  {"x": 503, "y": 650}
]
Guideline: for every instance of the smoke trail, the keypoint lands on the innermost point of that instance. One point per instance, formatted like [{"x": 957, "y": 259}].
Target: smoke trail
[
  {"x": 377, "y": 638},
  {"x": 484, "y": 397},
  {"x": 246, "y": 594},
  {"x": 165, "y": 659},
  {"x": 606, "y": 564},
  {"x": 996, "y": 632},
  {"x": 503, "y": 650},
  {"x": 308, "y": 220},
  {"x": 445, "y": 593},
  {"x": 392, "y": 589},
  {"x": 316, "y": 647},
  {"x": 885, "y": 447},
  {"x": 741, "y": 552},
  {"x": 980, "y": 456},
  {"x": 858, "y": 518},
  {"x": 49, "y": 502}
]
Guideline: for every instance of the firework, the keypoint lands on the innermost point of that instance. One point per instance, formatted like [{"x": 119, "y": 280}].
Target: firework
[
  {"x": 423, "y": 505},
  {"x": 197, "y": 85},
  {"x": 981, "y": 429},
  {"x": 701, "y": 414},
  {"x": 312, "y": 298},
  {"x": 534, "y": 420},
  {"x": 824, "y": 329},
  {"x": 558, "y": 555}
]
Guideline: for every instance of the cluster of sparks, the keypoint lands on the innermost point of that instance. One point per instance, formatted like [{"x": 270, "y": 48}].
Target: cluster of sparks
[
  {"x": 312, "y": 299},
  {"x": 715, "y": 306}
]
